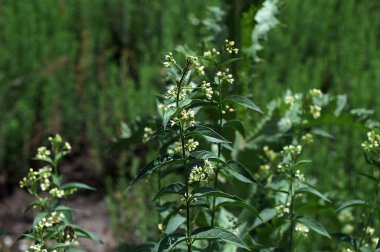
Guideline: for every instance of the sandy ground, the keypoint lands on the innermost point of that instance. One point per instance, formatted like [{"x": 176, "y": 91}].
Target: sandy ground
[{"x": 90, "y": 213}]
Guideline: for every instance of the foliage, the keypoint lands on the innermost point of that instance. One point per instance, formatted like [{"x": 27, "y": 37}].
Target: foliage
[{"x": 53, "y": 229}]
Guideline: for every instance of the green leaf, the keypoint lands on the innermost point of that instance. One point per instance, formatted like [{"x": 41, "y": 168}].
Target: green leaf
[
  {"x": 308, "y": 189},
  {"x": 240, "y": 172},
  {"x": 154, "y": 165},
  {"x": 322, "y": 133},
  {"x": 243, "y": 204},
  {"x": 175, "y": 188},
  {"x": 229, "y": 61},
  {"x": 87, "y": 234},
  {"x": 39, "y": 217},
  {"x": 59, "y": 245},
  {"x": 312, "y": 224},
  {"x": 211, "y": 192},
  {"x": 167, "y": 115},
  {"x": 350, "y": 203},
  {"x": 77, "y": 185},
  {"x": 243, "y": 101},
  {"x": 169, "y": 242},
  {"x": 209, "y": 134},
  {"x": 174, "y": 223},
  {"x": 265, "y": 216},
  {"x": 210, "y": 233},
  {"x": 237, "y": 125},
  {"x": 340, "y": 104},
  {"x": 61, "y": 208}
]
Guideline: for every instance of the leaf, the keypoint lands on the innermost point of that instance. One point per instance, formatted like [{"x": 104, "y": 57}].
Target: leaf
[
  {"x": 77, "y": 185},
  {"x": 167, "y": 115},
  {"x": 39, "y": 217},
  {"x": 87, "y": 234},
  {"x": 340, "y": 104},
  {"x": 312, "y": 224},
  {"x": 154, "y": 165},
  {"x": 59, "y": 245},
  {"x": 209, "y": 134},
  {"x": 62, "y": 208},
  {"x": 265, "y": 216},
  {"x": 210, "y": 233},
  {"x": 240, "y": 172},
  {"x": 174, "y": 223},
  {"x": 229, "y": 61},
  {"x": 169, "y": 242},
  {"x": 350, "y": 203},
  {"x": 175, "y": 188},
  {"x": 322, "y": 133},
  {"x": 212, "y": 192},
  {"x": 243, "y": 101},
  {"x": 237, "y": 125},
  {"x": 231, "y": 202},
  {"x": 308, "y": 189}
]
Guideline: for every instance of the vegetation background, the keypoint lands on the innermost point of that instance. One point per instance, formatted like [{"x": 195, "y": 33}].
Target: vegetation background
[{"x": 80, "y": 68}]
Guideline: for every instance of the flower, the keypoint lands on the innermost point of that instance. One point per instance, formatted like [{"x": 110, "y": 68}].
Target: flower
[
  {"x": 225, "y": 75},
  {"x": 43, "y": 153},
  {"x": 207, "y": 89},
  {"x": 199, "y": 173},
  {"x": 230, "y": 47},
  {"x": 191, "y": 145},
  {"x": 57, "y": 193},
  {"x": 169, "y": 60},
  {"x": 315, "y": 111},
  {"x": 283, "y": 209},
  {"x": 315, "y": 93},
  {"x": 308, "y": 138},
  {"x": 302, "y": 229}
]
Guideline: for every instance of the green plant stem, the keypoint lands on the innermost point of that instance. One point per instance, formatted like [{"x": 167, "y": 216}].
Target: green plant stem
[
  {"x": 186, "y": 172},
  {"x": 219, "y": 149},
  {"x": 291, "y": 210}
]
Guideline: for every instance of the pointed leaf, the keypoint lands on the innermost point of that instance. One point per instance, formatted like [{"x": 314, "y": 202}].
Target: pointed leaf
[
  {"x": 169, "y": 242},
  {"x": 237, "y": 125},
  {"x": 77, "y": 185},
  {"x": 322, "y": 133},
  {"x": 265, "y": 216},
  {"x": 312, "y": 224},
  {"x": 87, "y": 234},
  {"x": 209, "y": 134},
  {"x": 167, "y": 115},
  {"x": 240, "y": 172},
  {"x": 156, "y": 164},
  {"x": 210, "y": 233},
  {"x": 174, "y": 223},
  {"x": 308, "y": 189},
  {"x": 243, "y": 101},
  {"x": 350, "y": 203},
  {"x": 212, "y": 192},
  {"x": 238, "y": 203},
  {"x": 175, "y": 188}
]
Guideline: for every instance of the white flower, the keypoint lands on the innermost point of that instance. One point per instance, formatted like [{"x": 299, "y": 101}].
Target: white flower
[
  {"x": 315, "y": 111},
  {"x": 302, "y": 229},
  {"x": 315, "y": 93},
  {"x": 169, "y": 60},
  {"x": 191, "y": 145},
  {"x": 207, "y": 89},
  {"x": 283, "y": 209},
  {"x": 230, "y": 47}
]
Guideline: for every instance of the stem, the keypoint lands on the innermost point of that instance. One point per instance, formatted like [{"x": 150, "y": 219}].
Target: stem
[
  {"x": 291, "y": 210},
  {"x": 186, "y": 173},
  {"x": 219, "y": 149}
]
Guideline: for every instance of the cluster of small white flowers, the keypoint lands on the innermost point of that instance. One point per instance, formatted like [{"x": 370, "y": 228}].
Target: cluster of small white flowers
[
  {"x": 163, "y": 107},
  {"x": 225, "y": 75},
  {"x": 289, "y": 99},
  {"x": 56, "y": 139},
  {"x": 172, "y": 93},
  {"x": 292, "y": 150},
  {"x": 211, "y": 53},
  {"x": 42, "y": 153},
  {"x": 50, "y": 221},
  {"x": 33, "y": 176},
  {"x": 200, "y": 69},
  {"x": 300, "y": 176},
  {"x": 264, "y": 168},
  {"x": 270, "y": 154},
  {"x": 191, "y": 145},
  {"x": 302, "y": 229},
  {"x": 315, "y": 93},
  {"x": 187, "y": 118},
  {"x": 57, "y": 193},
  {"x": 199, "y": 173},
  {"x": 283, "y": 209},
  {"x": 228, "y": 108},
  {"x": 372, "y": 142},
  {"x": 207, "y": 89},
  {"x": 148, "y": 132},
  {"x": 348, "y": 229},
  {"x": 169, "y": 60},
  {"x": 345, "y": 216},
  {"x": 37, "y": 248},
  {"x": 308, "y": 138},
  {"x": 370, "y": 231},
  {"x": 230, "y": 47},
  {"x": 315, "y": 111}
]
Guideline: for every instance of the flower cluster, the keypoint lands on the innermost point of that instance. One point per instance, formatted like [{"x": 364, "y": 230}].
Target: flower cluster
[
  {"x": 299, "y": 176},
  {"x": 315, "y": 111},
  {"x": 42, "y": 153},
  {"x": 373, "y": 141},
  {"x": 308, "y": 138},
  {"x": 211, "y": 53},
  {"x": 292, "y": 150},
  {"x": 225, "y": 75},
  {"x": 172, "y": 93},
  {"x": 207, "y": 89},
  {"x": 199, "y": 173},
  {"x": 283, "y": 209},
  {"x": 148, "y": 132},
  {"x": 315, "y": 93},
  {"x": 270, "y": 154},
  {"x": 186, "y": 118},
  {"x": 50, "y": 221},
  {"x": 230, "y": 47},
  {"x": 57, "y": 193},
  {"x": 169, "y": 60},
  {"x": 228, "y": 108},
  {"x": 43, "y": 175},
  {"x": 37, "y": 248},
  {"x": 191, "y": 145},
  {"x": 302, "y": 229}
]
